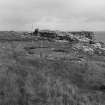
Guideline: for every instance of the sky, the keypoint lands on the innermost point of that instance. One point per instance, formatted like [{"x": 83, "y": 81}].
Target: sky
[{"x": 72, "y": 15}]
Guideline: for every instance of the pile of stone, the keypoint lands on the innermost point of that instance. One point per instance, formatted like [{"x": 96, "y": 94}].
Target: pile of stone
[
  {"x": 87, "y": 34},
  {"x": 90, "y": 49},
  {"x": 84, "y": 36},
  {"x": 82, "y": 40},
  {"x": 98, "y": 48},
  {"x": 84, "y": 48}
]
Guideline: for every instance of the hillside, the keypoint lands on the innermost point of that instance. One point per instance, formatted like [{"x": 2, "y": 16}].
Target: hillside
[{"x": 51, "y": 68}]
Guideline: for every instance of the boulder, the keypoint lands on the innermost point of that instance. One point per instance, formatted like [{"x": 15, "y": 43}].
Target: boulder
[
  {"x": 84, "y": 48},
  {"x": 96, "y": 45},
  {"x": 88, "y": 50}
]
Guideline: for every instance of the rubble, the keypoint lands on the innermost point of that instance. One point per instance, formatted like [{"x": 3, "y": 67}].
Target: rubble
[
  {"x": 87, "y": 34},
  {"x": 82, "y": 36},
  {"x": 88, "y": 50},
  {"x": 84, "y": 48},
  {"x": 82, "y": 40},
  {"x": 97, "y": 45},
  {"x": 98, "y": 48}
]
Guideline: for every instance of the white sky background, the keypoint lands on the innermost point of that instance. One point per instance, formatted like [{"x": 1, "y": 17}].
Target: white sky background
[{"x": 52, "y": 14}]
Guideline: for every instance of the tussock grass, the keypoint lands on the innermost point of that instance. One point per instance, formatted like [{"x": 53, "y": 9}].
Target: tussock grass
[{"x": 26, "y": 80}]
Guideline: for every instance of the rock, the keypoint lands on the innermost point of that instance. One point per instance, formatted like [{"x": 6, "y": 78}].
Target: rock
[
  {"x": 82, "y": 36},
  {"x": 96, "y": 45},
  {"x": 98, "y": 48},
  {"x": 88, "y": 34},
  {"x": 85, "y": 49},
  {"x": 62, "y": 41},
  {"x": 88, "y": 50},
  {"x": 100, "y": 51}
]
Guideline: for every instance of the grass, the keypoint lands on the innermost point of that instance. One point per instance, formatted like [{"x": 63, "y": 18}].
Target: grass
[{"x": 29, "y": 80}]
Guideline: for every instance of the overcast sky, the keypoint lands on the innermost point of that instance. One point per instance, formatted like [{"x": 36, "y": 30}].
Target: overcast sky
[{"x": 52, "y": 14}]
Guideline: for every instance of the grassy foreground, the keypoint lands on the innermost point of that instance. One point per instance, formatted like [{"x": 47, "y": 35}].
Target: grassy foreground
[{"x": 31, "y": 74}]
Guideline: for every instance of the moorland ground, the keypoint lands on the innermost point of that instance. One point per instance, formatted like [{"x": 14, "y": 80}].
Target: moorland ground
[{"x": 42, "y": 72}]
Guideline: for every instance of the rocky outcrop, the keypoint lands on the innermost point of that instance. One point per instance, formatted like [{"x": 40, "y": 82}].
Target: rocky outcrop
[
  {"x": 87, "y": 34},
  {"x": 98, "y": 48},
  {"x": 84, "y": 48},
  {"x": 83, "y": 40},
  {"x": 90, "y": 49},
  {"x": 83, "y": 36}
]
